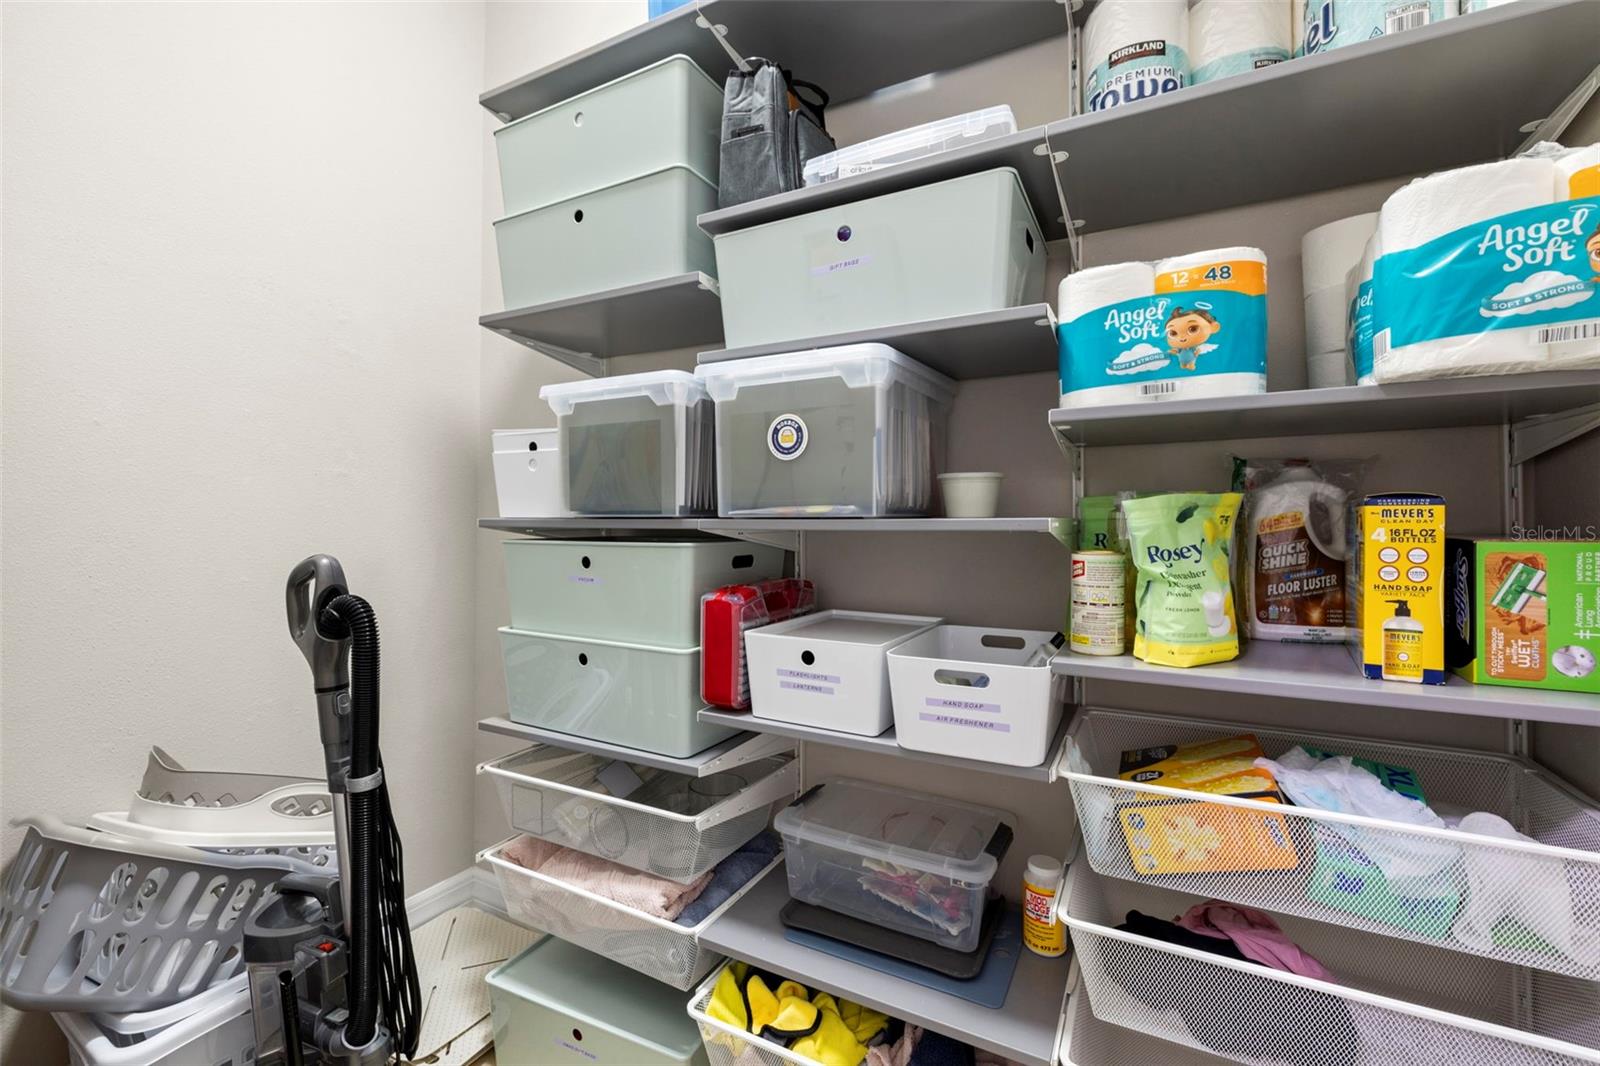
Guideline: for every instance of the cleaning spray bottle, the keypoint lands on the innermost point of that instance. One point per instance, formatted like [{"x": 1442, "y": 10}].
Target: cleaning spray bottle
[{"x": 1402, "y": 645}]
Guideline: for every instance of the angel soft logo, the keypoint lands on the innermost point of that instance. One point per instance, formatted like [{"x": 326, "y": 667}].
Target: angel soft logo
[
  {"x": 1137, "y": 325},
  {"x": 1542, "y": 242}
]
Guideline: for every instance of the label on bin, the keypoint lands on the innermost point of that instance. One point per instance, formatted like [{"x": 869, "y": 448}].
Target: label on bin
[
  {"x": 804, "y": 681},
  {"x": 786, "y": 437}
]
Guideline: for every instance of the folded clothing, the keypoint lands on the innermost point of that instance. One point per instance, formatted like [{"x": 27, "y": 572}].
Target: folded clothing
[
  {"x": 646, "y": 893},
  {"x": 1172, "y": 933},
  {"x": 732, "y": 874},
  {"x": 1255, "y": 934}
]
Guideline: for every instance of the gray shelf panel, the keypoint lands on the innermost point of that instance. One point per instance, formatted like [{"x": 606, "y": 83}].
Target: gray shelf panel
[
  {"x": 990, "y": 344},
  {"x": 1408, "y": 405},
  {"x": 886, "y": 745},
  {"x": 1452, "y": 93},
  {"x": 580, "y": 528},
  {"x": 849, "y": 47},
  {"x": 677, "y": 312},
  {"x": 1328, "y": 673},
  {"x": 1023, "y": 1029},
  {"x": 1023, "y": 151},
  {"x": 595, "y": 526},
  {"x": 735, "y": 751}
]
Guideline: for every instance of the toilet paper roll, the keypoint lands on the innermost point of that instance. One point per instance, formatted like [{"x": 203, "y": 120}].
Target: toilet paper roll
[
  {"x": 1186, "y": 389},
  {"x": 1578, "y": 175},
  {"x": 1433, "y": 206},
  {"x": 1236, "y": 36},
  {"x": 1323, "y": 25},
  {"x": 1211, "y": 257},
  {"x": 1098, "y": 287},
  {"x": 1328, "y": 252},
  {"x": 1328, "y": 370},
  {"x": 1327, "y": 320},
  {"x": 1134, "y": 50}
]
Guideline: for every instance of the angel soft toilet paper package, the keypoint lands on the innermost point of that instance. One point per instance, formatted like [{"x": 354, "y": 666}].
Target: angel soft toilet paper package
[
  {"x": 1484, "y": 269},
  {"x": 1189, "y": 326}
]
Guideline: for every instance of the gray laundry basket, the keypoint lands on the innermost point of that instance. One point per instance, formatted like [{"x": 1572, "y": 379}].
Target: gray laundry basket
[{"x": 96, "y": 922}]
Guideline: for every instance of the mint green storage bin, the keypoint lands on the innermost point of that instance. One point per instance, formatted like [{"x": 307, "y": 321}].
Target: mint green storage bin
[
  {"x": 955, "y": 247},
  {"x": 639, "y": 592},
  {"x": 668, "y": 114},
  {"x": 557, "y": 1003},
  {"x": 635, "y": 695},
  {"x": 624, "y": 234}
]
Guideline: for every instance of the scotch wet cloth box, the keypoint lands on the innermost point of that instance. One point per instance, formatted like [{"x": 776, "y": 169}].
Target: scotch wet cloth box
[
  {"x": 1525, "y": 613},
  {"x": 1395, "y": 575}
]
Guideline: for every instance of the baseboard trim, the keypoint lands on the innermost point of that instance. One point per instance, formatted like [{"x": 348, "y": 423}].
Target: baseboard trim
[{"x": 473, "y": 886}]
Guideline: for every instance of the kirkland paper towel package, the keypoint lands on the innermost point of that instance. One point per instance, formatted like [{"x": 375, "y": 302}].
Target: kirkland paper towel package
[
  {"x": 1182, "y": 547},
  {"x": 1192, "y": 325},
  {"x": 1229, "y": 37},
  {"x": 1321, "y": 25},
  {"x": 1134, "y": 50},
  {"x": 1396, "y": 587},
  {"x": 1490, "y": 269}
]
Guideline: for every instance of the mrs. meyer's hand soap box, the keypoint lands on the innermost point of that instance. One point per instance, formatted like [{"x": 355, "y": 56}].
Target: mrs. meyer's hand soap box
[
  {"x": 1395, "y": 584},
  {"x": 1524, "y": 613}
]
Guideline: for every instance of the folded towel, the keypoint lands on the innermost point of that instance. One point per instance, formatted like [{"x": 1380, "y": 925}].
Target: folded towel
[
  {"x": 732, "y": 874},
  {"x": 646, "y": 893}
]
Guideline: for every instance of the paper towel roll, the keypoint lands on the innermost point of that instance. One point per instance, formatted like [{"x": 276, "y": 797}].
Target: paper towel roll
[
  {"x": 1236, "y": 36},
  {"x": 1328, "y": 370},
  {"x": 1323, "y": 25},
  {"x": 1328, "y": 252},
  {"x": 1201, "y": 260},
  {"x": 1098, "y": 287},
  {"x": 1361, "y": 274},
  {"x": 1578, "y": 175},
  {"x": 1327, "y": 320},
  {"x": 1433, "y": 206},
  {"x": 1133, "y": 50},
  {"x": 1189, "y": 389}
]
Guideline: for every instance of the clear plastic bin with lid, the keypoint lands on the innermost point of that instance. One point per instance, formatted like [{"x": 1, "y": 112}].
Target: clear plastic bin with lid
[{"x": 852, "y": 431}]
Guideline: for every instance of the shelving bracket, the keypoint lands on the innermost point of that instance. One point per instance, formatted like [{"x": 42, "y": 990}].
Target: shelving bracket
[
  {"x": 1553, "y": 125},
  {"x": 759, "y": 746},
  {"x": 786, "y": 540},
  {"x": 1532, "y": 437},
  {"x": 1074, "y": 240},
  {"x": 585, "y": 362},
  {"x": 720, "y": 32}
]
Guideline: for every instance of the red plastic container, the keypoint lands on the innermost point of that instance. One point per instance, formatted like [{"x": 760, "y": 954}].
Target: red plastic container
[{"x": 725, "y": 615}]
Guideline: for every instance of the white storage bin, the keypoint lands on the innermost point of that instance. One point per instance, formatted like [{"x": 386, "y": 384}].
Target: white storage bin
[
  {"x": 966, "y": 691},
  {"x": 655, "y": 947},
  {"x": 854, "y": 431},
  {"x": 907, "y": 861},
  {"x": 214, "y": 1028},
  {"x": 1534, "y": 904},
  {"x": 625, "y": 234},
  {"x": 642, "y": 592},
  {"x": 529, "y": 481},
  {"x": 905, "y": 146},
  {"x": 635, "y": 695},
  {"x": 828, "y": 669},
  {"x": 726, "y": 1045},
  {"x": 671, "y": 825},
  {"x": 1396, "y": 1003},
  {"x": 955, "y": 247},
  {"x": 668, "y": 114},
  {"x": 639, "y": 444}
]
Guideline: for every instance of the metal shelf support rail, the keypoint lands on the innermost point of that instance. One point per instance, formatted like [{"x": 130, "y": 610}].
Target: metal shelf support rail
[
  {"x": 583, "y": 362},
  {"x": 1553, "y": 125},
  {"x": 719, "y": 33}
]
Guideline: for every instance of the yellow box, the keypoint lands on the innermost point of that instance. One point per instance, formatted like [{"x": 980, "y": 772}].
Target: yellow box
[{"x": 1397, "y": 587}]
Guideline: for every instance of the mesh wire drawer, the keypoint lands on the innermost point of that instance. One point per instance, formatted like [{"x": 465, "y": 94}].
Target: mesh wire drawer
[
  {"x": 1534, "y": 904},
  {"x": 1088, "y": 1041},
  {"x": 727, "y": 1045},
  {"x": 673, "y": 825},
  {"x": 1400, "y": 1003},
  {"x": 655, "y": 947}
]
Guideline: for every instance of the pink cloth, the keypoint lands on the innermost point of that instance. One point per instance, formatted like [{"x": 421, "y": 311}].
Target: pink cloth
[
  {"x": 642, "y": 892},
  {"x": 1255, "y": 934},
  {"x": 896, "y": 1054}
]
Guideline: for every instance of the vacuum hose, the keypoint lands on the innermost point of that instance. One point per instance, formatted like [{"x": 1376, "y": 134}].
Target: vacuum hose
[{"x": 382, "y": 968}]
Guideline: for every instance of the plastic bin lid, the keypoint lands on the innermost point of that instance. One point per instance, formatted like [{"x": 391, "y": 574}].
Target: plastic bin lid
[
  {"x": 860, "y": 365},
  {"x": 926, "y": 139},
  {"x": 664, "y": 387},
  {"x": 594, "y": 991},
  {"x": 940, "y": 836},
  {"x": 676, "y": 58}
]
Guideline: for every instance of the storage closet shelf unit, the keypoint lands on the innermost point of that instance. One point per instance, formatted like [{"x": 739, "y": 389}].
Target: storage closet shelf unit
[
  {"x": 849, "y": 47},
  {"x": 885, "y": 744},
  {"x": 1024, "y": 151},
  {"x": 1459, "y": 91},
  {"x": 1024, "y": 1029},
  {"x": 682, "y": 311},
  {"x": 735, "y": 751},
  {"x": 1328, "y": 673},
  {"x": 989, "y": 344},
  {"x": 600, "y": 526},
  {"x": 1440, "y": 404}
]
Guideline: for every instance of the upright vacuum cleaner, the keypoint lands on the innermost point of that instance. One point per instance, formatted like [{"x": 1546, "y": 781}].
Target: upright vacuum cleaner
[{"x": 332, "y": 977}]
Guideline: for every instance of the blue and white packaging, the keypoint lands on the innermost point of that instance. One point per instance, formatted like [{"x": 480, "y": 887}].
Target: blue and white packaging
[
  {"x": 1361, "y": 295},
  {"x": 1185, "y": 327},
  {"x": 1323, "y": 25},
  {"x": 1134, "y": 50},
  {"x": 1228, "y": 37}
]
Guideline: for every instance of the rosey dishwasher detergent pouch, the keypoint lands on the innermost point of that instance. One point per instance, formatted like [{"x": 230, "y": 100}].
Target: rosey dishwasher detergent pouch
[{"x": 1182, "y": 548}]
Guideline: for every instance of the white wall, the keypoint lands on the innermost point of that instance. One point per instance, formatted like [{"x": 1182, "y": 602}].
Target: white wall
[{"x": 242, "y": 257}]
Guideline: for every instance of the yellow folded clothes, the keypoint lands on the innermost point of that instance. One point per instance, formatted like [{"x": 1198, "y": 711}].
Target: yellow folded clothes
[{"x": 815, "y": 1026}]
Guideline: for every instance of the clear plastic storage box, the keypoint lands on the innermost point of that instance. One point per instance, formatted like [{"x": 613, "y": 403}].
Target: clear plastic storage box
[
  {"x": 642, "y": 591},
  {"x": 640, "y": 444},
  {"x": 856, "y": 430},
  {"x": 906, "y": 146},
  {"x": 907, "y": 861}
]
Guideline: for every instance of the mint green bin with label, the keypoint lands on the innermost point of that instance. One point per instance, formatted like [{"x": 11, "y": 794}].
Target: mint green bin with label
[
  {"x": 635, "y": 695},
  {"x": 640, "y": 592},
  {"x": 956, "y": 247},
  {"x": 624, "y": 234},
  {"x": 557, "y": 1003}
]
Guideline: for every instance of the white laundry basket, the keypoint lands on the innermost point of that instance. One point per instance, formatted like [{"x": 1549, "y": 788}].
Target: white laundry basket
[
  {"x": 655, "y": 947},
  {"x": 673, "y": 825},
  {"x": 1397, "y": 1003},
  {"x": 214, "y": 1028},
  {"x": 1333, "y": 872}
]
